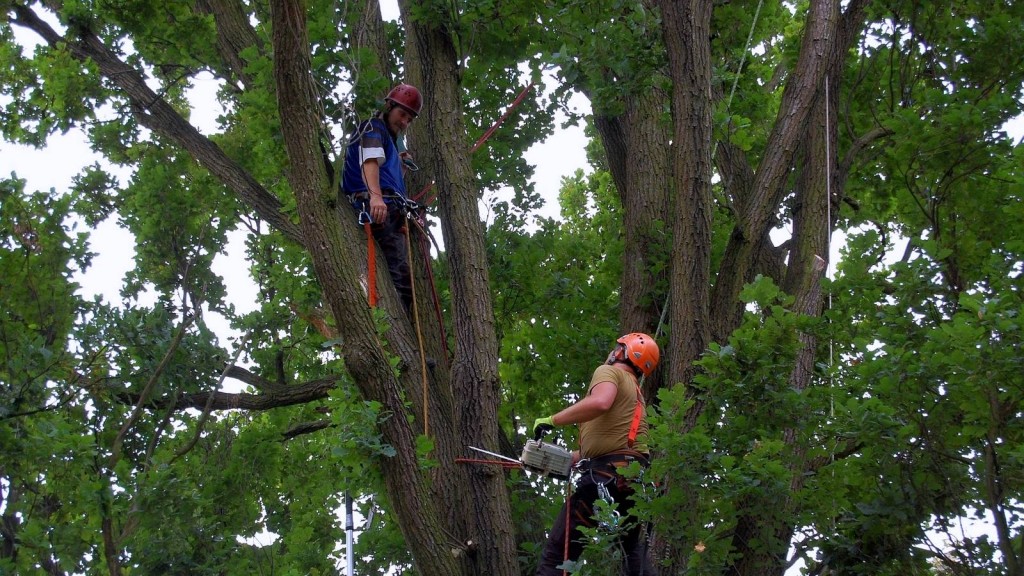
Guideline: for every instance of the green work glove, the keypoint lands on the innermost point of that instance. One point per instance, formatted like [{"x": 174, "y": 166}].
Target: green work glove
[{"x": 542, "y": 426}]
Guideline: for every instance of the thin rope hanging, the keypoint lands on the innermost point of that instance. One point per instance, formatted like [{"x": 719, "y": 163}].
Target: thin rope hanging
[{"x": 419, "y": 332}]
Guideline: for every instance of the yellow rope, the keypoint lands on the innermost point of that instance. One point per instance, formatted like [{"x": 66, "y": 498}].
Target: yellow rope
[{"x": 419, "y": 332}]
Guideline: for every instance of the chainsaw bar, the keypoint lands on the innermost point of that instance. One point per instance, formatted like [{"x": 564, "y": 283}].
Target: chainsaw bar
[{"x": 496, "y": 455}]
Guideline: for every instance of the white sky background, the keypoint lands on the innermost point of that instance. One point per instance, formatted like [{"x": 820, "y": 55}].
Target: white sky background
[{"x": 65, "y": 156}]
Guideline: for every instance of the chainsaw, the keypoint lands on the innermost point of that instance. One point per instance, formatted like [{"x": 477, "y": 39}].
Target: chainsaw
[
  {"x": 547, "y": 459},
  {"x": 541, "y": 457}
]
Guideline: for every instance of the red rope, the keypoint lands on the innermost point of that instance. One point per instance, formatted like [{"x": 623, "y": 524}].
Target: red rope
[
  {"x": 422, "y": 192},
  {"x": 483, "y": 138},
  {"x": 425, "y": 250},
  {"x": 568, "y": 515},
  {"x": 504, "y": 116},
  {"x": 502, "y": 463}
]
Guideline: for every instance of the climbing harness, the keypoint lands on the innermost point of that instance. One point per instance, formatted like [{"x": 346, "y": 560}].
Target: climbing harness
[{"x": 603, "y": 493}]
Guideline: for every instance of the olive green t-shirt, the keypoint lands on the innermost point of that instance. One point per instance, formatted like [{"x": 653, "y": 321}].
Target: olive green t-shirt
[{"x": 610, "y": 431}]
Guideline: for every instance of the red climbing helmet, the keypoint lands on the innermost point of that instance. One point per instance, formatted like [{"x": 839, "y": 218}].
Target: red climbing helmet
[
  {"x": 406, "y": 96},
  {"x": 641, "y": 351}
]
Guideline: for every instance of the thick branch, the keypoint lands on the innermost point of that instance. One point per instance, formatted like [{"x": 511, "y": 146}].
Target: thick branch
[
  {"x": 860, "y": 144},
  {"x": 287, "y": 396},
  {"x": 254, "y": 380},
  {"x": 234, "y": 34},
  {"x": 306, "y": 428},
  {"x": 156, "y": 114}
]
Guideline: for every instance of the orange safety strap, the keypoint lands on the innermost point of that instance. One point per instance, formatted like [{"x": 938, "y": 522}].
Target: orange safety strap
[{"x": 637, "y": 416}]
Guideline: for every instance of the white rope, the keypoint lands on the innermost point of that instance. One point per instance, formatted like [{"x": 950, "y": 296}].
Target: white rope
[{"x": 743, "y": 57}]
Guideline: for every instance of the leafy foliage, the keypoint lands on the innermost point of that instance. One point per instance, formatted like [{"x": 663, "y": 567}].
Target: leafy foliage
[{"x": 910, "y": 422}]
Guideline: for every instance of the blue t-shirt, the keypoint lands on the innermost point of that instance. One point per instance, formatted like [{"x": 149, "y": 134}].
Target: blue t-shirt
[{"x": 373, "y": 141}]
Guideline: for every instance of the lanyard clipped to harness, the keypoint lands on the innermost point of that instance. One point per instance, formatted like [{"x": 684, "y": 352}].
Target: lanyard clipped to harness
[{"x": 371, "y": 256}]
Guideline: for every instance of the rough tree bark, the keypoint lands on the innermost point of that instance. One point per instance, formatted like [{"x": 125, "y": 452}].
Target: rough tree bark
[
  {"x": 754, "y": 215},
  {"x": 686, "y": 31},
  {"x": 756, "y": 194},
  {"x": 421, "y": 518},
  {"x": 637, "y": 146},
  {"x": 482, "y": 511}
]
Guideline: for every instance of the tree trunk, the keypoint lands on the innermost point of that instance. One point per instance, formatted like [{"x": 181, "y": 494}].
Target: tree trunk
[
  {"x": 754, "y": 216},
  {"x": 480, "y": 509},
  {"x": 418, "y": 512},
  {"x": 687, "y": 31},
  {"x": 686, "y": 27},
  {"x": 637, "y": 146},
  {"x": 761, "y": 542}
]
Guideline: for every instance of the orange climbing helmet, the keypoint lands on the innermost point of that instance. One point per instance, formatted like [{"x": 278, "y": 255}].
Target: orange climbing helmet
[
  {"x": 406, "y": 96},
  {"x": 641, "y": 351}
]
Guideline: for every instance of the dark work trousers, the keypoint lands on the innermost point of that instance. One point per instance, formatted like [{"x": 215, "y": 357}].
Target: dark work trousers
[
  {"x": 390, "y": 236},
  {"x": 636, "y": 557}
]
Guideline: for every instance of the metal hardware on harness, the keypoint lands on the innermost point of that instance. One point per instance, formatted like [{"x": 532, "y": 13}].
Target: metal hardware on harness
[
  {"x": 613, "y": 521},
  {"x": 365, "y": 218},
  {"x": 410, "y": 207},
  {"x": 547, "y": 459}
]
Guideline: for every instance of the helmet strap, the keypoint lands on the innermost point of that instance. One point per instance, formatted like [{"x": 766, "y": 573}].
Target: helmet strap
[
  {"x": 616, "y": 355},
  {"x": 636, "y": 369}
]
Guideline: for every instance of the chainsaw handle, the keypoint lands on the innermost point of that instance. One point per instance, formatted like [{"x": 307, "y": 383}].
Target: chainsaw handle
[{"x": 542, "y": 430}]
